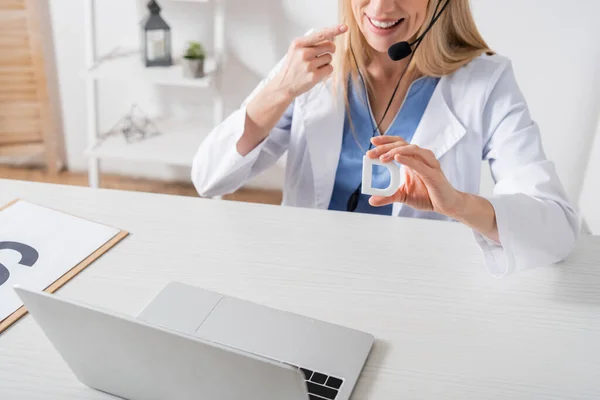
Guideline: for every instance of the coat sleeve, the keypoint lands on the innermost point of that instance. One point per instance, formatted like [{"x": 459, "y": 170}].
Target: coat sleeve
[
  {"x": 536, "y": 223},
  {"x": 219, "y": 169}
]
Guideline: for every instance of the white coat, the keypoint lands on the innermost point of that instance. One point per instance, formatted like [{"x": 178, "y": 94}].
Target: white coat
[{"x": 477, "y": 113}]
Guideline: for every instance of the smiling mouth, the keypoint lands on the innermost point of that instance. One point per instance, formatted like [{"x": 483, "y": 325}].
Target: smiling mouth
[{"x": 384, "y": 24}]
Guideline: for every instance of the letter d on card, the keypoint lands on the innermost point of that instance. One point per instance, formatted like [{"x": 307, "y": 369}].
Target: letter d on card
[{"x": 367, "y": 178}]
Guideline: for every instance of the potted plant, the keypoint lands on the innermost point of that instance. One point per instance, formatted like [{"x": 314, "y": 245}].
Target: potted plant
[{"x": 193, "y": 60}]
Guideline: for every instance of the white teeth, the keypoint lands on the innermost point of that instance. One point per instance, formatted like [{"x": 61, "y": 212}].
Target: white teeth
[{"x": 383, "y": 25}]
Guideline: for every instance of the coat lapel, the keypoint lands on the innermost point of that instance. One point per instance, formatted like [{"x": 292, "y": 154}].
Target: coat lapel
[
  {"x": 323, "y": 125},
  {"x": 439, "y": 129}
]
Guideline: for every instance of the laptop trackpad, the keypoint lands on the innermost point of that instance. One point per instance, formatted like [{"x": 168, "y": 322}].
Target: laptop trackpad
[{"x": 256, "y": 329}]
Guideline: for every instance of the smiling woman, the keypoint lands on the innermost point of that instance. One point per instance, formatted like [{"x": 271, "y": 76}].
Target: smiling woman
[
  {"x": 382, "y": 24},
  {"x": 451, "y": 42},
  {"x": 437, "y": 110}
]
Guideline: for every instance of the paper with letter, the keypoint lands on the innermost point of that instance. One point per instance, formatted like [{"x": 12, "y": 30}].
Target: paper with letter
[{"x": 39, "y": 245}]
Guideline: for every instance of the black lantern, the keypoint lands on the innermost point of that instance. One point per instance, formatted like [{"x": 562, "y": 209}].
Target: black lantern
[{"x": 156, "y": 38}]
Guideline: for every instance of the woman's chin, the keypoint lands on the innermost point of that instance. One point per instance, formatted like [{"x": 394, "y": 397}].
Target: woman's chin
[{"x": 380, "y": 46}]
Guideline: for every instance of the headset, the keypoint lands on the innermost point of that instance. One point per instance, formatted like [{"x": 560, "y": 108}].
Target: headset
[{"x": 398, "y": 51}]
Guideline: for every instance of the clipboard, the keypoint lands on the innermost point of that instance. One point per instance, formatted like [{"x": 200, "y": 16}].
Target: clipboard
[{"x": 57, "y": 284}]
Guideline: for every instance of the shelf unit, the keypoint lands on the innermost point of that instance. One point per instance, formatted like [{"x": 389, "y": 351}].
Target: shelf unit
[
  {"x": 176, "y": 146},
  {"x": 178, "y": 139},
  {"x": 127, "y": 65}
]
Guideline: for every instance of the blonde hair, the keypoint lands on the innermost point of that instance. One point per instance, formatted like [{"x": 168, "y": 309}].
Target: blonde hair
[{"x": 453, "y": 42}]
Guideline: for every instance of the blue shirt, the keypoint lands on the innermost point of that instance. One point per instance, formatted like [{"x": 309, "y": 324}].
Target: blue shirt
[{"x": 356, "y": 144}]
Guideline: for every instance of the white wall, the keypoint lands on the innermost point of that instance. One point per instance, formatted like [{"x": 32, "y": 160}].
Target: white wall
[
  {"x": 553, "y": 44},
  {"x": 556, "y": 54},
  {"x": 590, "y": 194}
]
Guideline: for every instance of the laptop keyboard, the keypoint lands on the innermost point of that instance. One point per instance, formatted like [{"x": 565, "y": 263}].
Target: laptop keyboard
[{"x": 321, "y": 386}]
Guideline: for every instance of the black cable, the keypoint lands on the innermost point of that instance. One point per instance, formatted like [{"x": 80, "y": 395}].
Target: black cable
[
  {"x": 419, "y": 40},
  {"x": 355, "y": 196},
  {"x": 433, "y": 20}
]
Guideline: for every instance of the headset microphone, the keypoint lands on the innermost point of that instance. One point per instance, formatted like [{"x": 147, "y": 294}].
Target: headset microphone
[{"x": 401, "y": 50}]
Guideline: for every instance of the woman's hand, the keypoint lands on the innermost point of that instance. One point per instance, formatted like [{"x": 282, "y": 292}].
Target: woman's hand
[
  {"x": 425, "y": 186},
  {"x": 309, "y": 61}
]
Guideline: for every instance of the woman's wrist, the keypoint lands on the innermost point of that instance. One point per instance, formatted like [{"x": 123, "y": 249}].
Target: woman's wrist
[
  {"x": 272, "y": 101},
  {"x": 282, "y": 94},
  {"x": 477, "y": 213},
  {"x": 282, "y": 91},
  {"x": 262, "y": 114}
]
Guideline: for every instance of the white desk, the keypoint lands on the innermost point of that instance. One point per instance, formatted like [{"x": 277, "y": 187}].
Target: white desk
[{"x": 445, "y": 328}]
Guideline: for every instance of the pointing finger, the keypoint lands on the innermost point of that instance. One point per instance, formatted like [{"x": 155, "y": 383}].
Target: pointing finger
[{"x": 320, "y": 36}]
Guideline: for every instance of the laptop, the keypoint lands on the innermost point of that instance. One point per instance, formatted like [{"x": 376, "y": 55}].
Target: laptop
[{"x": 191, "y": 343}]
